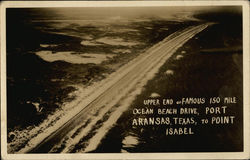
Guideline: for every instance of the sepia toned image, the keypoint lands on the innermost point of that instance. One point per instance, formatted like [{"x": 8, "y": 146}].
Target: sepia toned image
[{"x": 124, "y": 79}]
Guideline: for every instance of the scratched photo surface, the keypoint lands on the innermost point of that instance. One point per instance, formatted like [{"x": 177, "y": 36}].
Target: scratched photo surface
[{"x": 124, "y": 79}]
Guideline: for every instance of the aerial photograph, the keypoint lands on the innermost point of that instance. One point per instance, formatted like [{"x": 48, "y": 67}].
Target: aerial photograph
[{"x": 124, "y": 79}]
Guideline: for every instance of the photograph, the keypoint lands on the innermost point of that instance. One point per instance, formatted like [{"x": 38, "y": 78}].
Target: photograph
[{"x": 124, "y": 79}]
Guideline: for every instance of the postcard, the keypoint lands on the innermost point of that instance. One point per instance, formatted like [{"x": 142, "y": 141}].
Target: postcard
[{"x": 125, "y": 80}]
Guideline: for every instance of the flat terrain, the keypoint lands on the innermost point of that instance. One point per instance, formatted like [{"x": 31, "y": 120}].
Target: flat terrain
[
  {"x": 126, "y": 81},
  {"x": 38, "y": 50}
]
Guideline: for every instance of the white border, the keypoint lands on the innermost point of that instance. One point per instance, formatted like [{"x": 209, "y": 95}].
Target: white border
[{"x": 207, "y": 155}]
